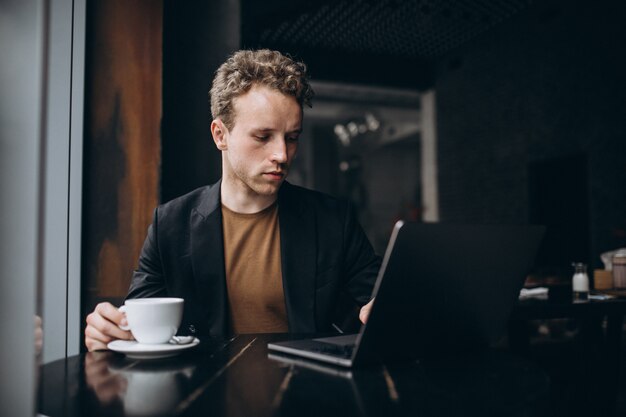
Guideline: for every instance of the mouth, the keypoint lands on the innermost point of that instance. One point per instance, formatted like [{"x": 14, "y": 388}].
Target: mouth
[{"x": 275, "y": 175}]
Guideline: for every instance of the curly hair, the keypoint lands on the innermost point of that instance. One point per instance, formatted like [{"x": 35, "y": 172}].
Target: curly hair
[{"x": 246, "y": 68}]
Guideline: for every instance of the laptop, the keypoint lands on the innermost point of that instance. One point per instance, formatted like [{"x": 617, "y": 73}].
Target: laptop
[{"x": 441, "y": 288}]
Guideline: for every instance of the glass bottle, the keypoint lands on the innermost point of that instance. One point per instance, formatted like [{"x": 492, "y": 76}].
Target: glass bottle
[{"x": 580, "y": 281}]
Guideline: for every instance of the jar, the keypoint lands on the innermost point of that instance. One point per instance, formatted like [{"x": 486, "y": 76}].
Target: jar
[
  {"x": 580, "y": 281},
  {"x": 619, "y": 270}
]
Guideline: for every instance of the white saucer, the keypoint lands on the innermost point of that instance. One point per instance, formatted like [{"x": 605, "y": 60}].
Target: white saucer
[{"x": 137, "y": 350}]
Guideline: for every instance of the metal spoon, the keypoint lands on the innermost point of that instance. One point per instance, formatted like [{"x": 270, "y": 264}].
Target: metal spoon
[{"x": 181, "y": 340}]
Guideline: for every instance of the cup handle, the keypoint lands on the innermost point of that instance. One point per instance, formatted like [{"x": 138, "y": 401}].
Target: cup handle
[{"x": 122, "y": 309}]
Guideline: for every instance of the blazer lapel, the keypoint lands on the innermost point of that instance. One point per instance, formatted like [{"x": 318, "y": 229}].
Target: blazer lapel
[
  {"x": 207, "y": 260},
  {"x": 299, "y": 254}
]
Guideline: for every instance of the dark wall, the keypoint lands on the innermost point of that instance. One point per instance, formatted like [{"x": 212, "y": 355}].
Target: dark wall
[
  {"x": 534, "y": 105},
  {"x": 197, "y": 38}
]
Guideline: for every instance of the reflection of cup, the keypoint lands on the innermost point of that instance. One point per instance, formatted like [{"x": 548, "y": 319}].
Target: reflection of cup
[
  {"x": 153, "y": 320},
  {"x": 153, "y": 390},
  {"x": 151, "y": 393}
]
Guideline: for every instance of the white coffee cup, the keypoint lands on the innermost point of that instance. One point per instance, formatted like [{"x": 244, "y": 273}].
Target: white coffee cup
[{"x": 153, "y": 320}]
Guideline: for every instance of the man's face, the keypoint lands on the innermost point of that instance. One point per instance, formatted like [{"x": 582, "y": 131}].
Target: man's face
[{"x": 258, "y": 150}]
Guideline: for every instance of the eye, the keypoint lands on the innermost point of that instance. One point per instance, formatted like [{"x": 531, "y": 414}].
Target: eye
[
  {"x": 292, "y": 138},
  {"x": 261, "y": 138}
]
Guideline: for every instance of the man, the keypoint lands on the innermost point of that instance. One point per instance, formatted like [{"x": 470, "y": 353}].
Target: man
[{"x": 251, "y": 253}]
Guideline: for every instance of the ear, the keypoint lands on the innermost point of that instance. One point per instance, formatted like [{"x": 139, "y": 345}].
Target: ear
[{"x": 219, "y": 133}]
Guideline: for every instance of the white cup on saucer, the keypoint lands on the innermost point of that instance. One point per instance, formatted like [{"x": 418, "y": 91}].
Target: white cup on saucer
[{"x": 153, "y": 320}]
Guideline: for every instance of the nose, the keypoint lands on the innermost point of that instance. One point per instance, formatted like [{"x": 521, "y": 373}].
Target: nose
[{"x": 279, "y": 151}]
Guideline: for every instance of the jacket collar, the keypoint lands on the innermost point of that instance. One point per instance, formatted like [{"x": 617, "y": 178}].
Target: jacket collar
[
  {"x": 211, "y": 201},
  {"x": 207, "y": 261}
]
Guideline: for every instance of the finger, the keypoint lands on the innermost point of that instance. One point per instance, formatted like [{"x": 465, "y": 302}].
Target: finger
[
  {"x": 101, "y": 331},
  {"x": 365, "y": 311},
  {"x": 363, "y": 314},
  {"x": 106, "y": 328},
  {"x": 105, "y": 331},
  {"x": 95, "y": 340},
  {"x": 111, "y": 313},
  {"x": 94, "y": 345}
]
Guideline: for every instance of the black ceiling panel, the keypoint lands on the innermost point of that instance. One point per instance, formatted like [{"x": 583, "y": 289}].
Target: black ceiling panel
[{"x": 394, "y": 42}]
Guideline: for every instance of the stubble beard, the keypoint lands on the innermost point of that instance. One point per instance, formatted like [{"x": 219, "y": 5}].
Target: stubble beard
[{"x": 259, "y": 185}]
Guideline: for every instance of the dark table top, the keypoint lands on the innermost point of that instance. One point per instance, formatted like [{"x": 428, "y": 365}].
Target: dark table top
[
  {"x": 533, "y": 308},
  {"x": 238, "y": 377}
]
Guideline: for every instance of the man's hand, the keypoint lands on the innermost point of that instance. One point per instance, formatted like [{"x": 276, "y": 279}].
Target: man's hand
[
  {"x": 103, "y": 327},
  {"x": 365, "y": 311}
]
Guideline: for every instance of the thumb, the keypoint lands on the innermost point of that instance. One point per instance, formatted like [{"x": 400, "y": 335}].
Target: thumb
[{"x": 365, "y": 312}]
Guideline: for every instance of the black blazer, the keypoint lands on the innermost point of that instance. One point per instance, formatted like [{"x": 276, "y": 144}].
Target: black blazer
[{"x": 323, "y": 248}]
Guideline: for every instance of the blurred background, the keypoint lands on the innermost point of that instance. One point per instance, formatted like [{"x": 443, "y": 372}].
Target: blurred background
[
  {"x": 507, "y": 111},
  {"x": 466, "y": 111}
]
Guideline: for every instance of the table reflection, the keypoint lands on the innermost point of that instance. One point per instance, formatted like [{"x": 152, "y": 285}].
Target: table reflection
[
  {"x": 473, "y": 384},
  {"x": 141, "y": 388},
  {"x": 239, "y": 377}
]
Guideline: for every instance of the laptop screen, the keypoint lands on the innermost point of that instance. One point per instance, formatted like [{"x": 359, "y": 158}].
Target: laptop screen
[{"x": 446, "y": 287}]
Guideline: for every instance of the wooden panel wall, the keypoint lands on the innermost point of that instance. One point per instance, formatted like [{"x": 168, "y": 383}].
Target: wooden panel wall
[{"x": 122, "y": 140}]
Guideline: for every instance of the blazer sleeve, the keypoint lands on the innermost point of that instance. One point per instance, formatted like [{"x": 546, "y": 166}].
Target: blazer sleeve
[
  {"x": 361, "y": 264},
  {"x": 148, "y": 279}
]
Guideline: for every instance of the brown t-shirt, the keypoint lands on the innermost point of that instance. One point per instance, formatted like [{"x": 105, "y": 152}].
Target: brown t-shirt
[{"x": 253, "y": 272}]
